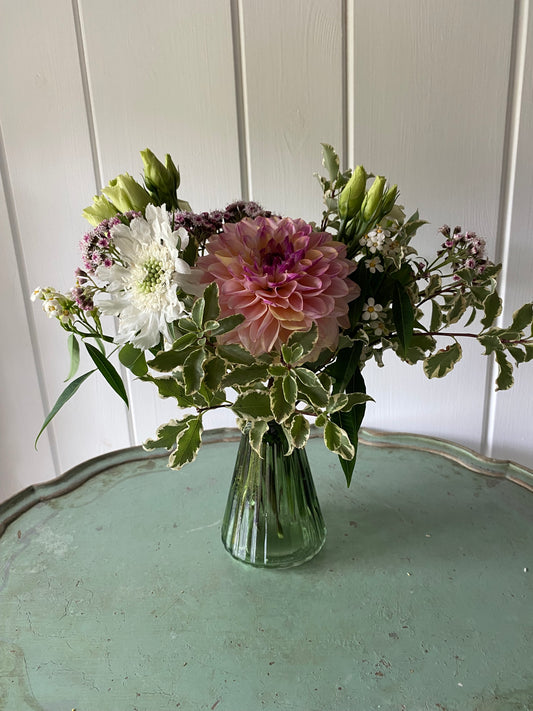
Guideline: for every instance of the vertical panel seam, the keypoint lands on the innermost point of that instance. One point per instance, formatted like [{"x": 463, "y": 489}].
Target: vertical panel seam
[
  {"x": 97, "y": 166},
  {"x": 25, "y": 288},
  {"x": 348, "y": 50},
  {"x": 507, "y": 185},
  {"x": 241, "y": 97}
]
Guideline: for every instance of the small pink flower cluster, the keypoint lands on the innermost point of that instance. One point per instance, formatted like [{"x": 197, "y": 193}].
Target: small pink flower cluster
[{"x": 466, "y": 248}]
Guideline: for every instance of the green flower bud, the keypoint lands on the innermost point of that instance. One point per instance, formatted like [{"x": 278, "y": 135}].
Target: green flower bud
[
  {"x": 351, "y": 198},
  {"x": 173, "y": 172},
  {"x": 100, "y": 210},
  {"x": 389, "y": 199},
  {"x": 126, "y": 194},
  {"x": 155, "y": 174},
  {"x": 373, "y": 197}
]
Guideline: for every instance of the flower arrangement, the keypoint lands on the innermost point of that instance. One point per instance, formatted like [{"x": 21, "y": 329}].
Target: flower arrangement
[{"x": 270, "y": 316}]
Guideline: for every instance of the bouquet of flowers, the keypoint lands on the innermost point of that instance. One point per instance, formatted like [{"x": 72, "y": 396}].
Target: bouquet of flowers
[{"x": 269, "y": 316}]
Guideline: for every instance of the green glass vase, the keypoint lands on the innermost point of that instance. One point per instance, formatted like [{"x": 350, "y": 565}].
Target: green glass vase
[{"x": 272, "y": 518}]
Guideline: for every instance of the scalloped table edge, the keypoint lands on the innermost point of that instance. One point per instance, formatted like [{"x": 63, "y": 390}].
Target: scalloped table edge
[{"x": 15, "y": 506}]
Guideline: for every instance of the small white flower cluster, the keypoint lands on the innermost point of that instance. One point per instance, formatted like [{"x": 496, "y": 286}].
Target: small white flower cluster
[
  {"x": 378, "y": 244},
  {"x": 55, "y": 304}
]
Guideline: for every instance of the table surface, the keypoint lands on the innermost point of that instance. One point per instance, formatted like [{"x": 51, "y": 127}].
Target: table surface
[{"x": 116, "y": 593}]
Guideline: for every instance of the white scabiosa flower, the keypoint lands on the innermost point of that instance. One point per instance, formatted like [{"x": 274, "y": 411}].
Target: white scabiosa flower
[{"x": 140, "y": 288}]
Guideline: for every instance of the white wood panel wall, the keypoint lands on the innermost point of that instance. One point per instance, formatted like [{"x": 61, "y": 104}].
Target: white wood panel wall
[{"x": 437, "y": 96}]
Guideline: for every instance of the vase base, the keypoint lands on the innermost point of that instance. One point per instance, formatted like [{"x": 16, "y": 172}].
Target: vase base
[{"x": 277, "y": 562}]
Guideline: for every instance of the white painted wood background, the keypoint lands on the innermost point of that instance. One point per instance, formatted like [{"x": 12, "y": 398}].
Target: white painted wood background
[{"x": 436, "y": 95}]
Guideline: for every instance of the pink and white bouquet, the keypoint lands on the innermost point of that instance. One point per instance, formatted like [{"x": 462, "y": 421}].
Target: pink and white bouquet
[{"x": 269, "y": 316}]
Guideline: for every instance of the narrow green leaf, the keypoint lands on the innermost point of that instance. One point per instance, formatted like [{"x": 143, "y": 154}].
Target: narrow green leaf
[
  {"x": 505, "y": 372},
  {"x": 403, "y": 315},
  {"x": 193, "y": 372},
  {"x": 133, "y": 359},
  {"x": 351, "y": 422},
  {"x": 189, "y": 441},
  {"x": 443, "y": 361},
  {"x": 346, "y": 364},
  {"x": 65, "y": 396},
  {"x": 108, "y": 370},
  {"x": 74, "y": 352}
]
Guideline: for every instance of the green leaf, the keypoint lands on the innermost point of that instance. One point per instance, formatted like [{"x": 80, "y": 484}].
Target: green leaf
[
  {"x": 505, "y": 372},
  {"x": 166, "y": 435},
  {"x": 351, "y": 421},
  {"x": 290, "y": 389},
  {"x": 253, "y": 405},
  {"x": 214, "y": 369},
  {"x": 193, "y": 372},
  {"x": 167, "y": 361},
  {"x": 420, "y": 345},
  {"x": 65, "y": 396},
  {"x": 337, "y": 441},
  {"x": 212, "y": 309},
  {"x": 491, "y": 343},
  {"x": 255, "y": 435},
  {"x": 443, "y": 361},
  {"x": 522, "y": 318},
  {"x": 518, "y": 354},
  {"x": 403, "y": 315},
  {"x": 457, "y": 308},
  {"x": 227, "y": 324},
  {"x": 344, "y": 367},
  {"x": 245, "y": 374},
  {"x": 436, "y": 317},
  {"x": 492, "y": 306},
  {"x": 74, "y": 352},
  {"x": 292, "y": 354},
  {"x": 133, "y": 359},
  {"x": 330, "y": 161},
  {"x": 169, "y": 387},
  {"x": 311, "y": 388},
  {"x": 189, "y": 441},
  {"x": 197, "y": 312},
  {"x": 234, "y": 353},
  {"x": 529, "y": 352},
  {"x": 299, "y": 431},
  {"x": 108, "y": 371},
  {"x": 184, "y": 341},
  {"x": 306, "y": 339},
  {"x": 281, "y": 409}
]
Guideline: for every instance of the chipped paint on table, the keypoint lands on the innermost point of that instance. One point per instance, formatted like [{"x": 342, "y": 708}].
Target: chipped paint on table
[{"x": 116, "y": 592}]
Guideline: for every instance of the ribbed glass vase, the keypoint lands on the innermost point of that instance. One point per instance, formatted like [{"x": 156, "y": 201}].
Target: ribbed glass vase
[{"x": 272, "y": 517}]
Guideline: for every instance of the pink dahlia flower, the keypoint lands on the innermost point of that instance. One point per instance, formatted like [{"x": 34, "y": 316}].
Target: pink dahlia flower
[{"x": 282, "y": 277}]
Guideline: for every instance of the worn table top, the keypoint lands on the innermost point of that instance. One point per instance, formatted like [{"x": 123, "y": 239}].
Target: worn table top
[{"x": 116, "y": 593}]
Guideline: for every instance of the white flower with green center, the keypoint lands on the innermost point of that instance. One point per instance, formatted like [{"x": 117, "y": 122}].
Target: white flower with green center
[{"x": 140, "y": 288}]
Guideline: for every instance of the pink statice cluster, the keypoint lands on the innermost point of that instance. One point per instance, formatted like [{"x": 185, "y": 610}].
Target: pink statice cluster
[
  {"x": 283, "y": 277},
  {"x": 466, "y": 249},
  {"x": 96, "y": 245}
]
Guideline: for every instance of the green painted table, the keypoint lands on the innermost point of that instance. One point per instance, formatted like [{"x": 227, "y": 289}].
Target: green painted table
[{"x": 117, "y": 595}]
